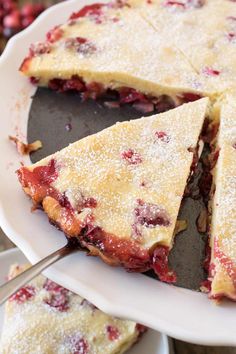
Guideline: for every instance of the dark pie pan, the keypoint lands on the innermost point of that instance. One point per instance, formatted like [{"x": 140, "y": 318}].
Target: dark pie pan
[{"x": 58, "y": 119}]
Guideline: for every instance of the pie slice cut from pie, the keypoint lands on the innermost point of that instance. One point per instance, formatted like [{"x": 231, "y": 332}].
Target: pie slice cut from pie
[
  {"x": 45, "y": 318},
  {"x": 111, "y": 46},
  {"x": 118, "y": 192},
  {"x": 222, "y": 272},
  {"x": 203, "y": 31}
]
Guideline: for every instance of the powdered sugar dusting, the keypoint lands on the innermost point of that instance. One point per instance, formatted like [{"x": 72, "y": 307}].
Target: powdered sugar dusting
[
  {"x": 33, "y": 327},
  {"x": 224, "y": 212},
  {"x": 120, "y": 59},
  {"x": 94, "y": 167}
]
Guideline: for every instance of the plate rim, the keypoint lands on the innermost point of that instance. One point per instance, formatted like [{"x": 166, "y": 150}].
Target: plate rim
[{"x": 101, "y": 300}]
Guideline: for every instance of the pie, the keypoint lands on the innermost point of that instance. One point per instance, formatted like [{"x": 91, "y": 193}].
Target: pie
[
  {"x": 45, "y": 318},
  {"x": 118, "y": 192},
  {"x": 222, "y": 270},
  {"x": 155, "y": 55},
  {"x": 94, "y": 52},
  {"x": 204, "y": 31}
]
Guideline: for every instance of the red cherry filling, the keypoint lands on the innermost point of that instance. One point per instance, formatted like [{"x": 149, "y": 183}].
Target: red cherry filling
[
  {"x": 162, "y": 136},
  {"x": 112, "y": 332},
  {"x": 39, "y": 49},
  {"x": 226, "y": 262},
  {"x": 140, "y": 328},
  {"x": 78, "y": 344},
  {"x": 129, "y": 95},
  {"x": 89, "y": 203},
  {"x": 231, "y": 36},
  {"x": 186, "y": 97},
  {"x": 132, "y": 157},
  {"x": 54, "y": 34},
  {"x": 160, "y": 265},
  {"x": 24, "y": 294},
  {"x": 58, "y": 300},
  {"x": 94, "y": 11},
  {"x": 210, "y": 71},
  {"x": 234, "y": 145},
  {"x": 80, "y": 45},
  {"x": 150, "y": 215},
  {"x": 49, "y": 285},
  {"x": 73, "y": 84}
]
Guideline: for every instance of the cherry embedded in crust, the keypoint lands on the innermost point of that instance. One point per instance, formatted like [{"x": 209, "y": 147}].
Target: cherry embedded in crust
[
  {"x": 129, "y": 95},
  {"x": 24, "y": 294},
  {"x": 81, "y": 45},
  {"x": 39, "y": 180},
  {"x": 34, "y": 80},
  {"x": 54, "y": 34},
  {"x": 89, "y": 202},
  {"x": 231, "y": 36},
  {"x": 210, "y": 71},
  {"x": 186, "y": 97},
  {"x": 39, "y": 49},
  {"x": 131, "y": 157},
  {"x": 94, "y": 11},
  {"x": 58, "y": 300},
  {"x": 77, "y": 344},
  {"x": 112, "y": 332},
  {"x": 160, "y": 135},
  {"x": 234, "y": 145},
  {"x": 73, "y": 84},
  {"x": 150, "y": 215},
  {"x": 160, "y": 265}
]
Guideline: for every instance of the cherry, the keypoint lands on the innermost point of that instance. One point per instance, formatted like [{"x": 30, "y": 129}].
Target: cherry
[
  {"x": 112, "y": 332},
  {"x": 160, "y": 264},
  {"x": 150, "y": 215},
  {"x": 23, "y": 294},
  {"x": 78, "y": 344},
  {"x": 58, "y": 300},
  {"x": 160, "y": 135},
  {"x": 131, "y": 157}
]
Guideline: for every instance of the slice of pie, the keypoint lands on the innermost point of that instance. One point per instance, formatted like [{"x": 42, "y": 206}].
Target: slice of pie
[
  {"x": 118, "y": 192},
  {"x": 45, "y": 318},
  {"x": 223, "y": 227},
  {"x": 111, "y": 46},
  {"x": 204, "y": 31}
]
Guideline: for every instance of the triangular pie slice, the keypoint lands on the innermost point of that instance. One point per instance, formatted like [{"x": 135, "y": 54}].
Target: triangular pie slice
[
  {"x": 203, "y": 31},
  {"x": 75, "y": 325},
  {"x": 223, "y": 226},
  {"x": 119, "y": 191},
  {"x": 111, "y": 46}
]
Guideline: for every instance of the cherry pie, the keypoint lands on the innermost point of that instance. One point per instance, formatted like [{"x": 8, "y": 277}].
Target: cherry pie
[
  {"x": 45, "y": 318},
  {"x": 155, "y": 54},
  {"x": 112, "y": 46},
  {"x": 118, "y": 192}
]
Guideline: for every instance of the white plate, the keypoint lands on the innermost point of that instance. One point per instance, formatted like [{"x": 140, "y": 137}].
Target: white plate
[
  {"x": 152, "y": 342},
  {"x": 180, "y": 313}
]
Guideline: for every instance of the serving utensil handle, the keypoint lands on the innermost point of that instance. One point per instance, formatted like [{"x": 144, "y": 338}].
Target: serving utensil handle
[{"x": 13, "y": 285}]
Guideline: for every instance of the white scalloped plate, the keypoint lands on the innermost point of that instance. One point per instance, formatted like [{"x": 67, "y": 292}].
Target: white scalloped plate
[{"x": 180, "y": 313}]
